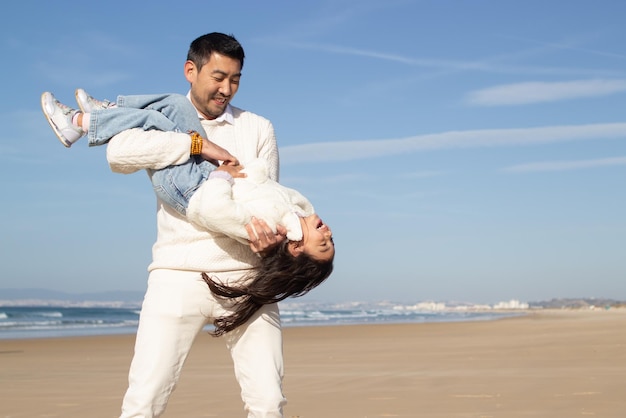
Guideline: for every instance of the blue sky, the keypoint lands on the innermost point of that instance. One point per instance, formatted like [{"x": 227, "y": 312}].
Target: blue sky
[{"x": 460, "y": 150}]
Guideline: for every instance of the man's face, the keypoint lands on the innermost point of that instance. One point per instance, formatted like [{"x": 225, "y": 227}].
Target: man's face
[{"x": 214, "y": 86}]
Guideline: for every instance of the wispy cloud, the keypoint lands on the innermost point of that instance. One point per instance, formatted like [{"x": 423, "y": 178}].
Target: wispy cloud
[
  {"x": 76, "y": 66},
  {"x": 566, "y": 165},
  {"x": 343, "y": 50},
  {"x": 61, "y": 74},
  {"x": 570, "y": 45},
  {"x": 340, "y": 178},
  {"x": 447, "y": 66},
  {"x": 535, "y": 92},
  {"x": 326, "y": 17},
  {"x": 422, "y": 174},
  {"x": 357, "y": 150},
  {"x": 355, "y": 177}
]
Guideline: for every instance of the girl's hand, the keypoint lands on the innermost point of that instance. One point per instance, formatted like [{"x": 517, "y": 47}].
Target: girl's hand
[{"x": 233, "y": 169}]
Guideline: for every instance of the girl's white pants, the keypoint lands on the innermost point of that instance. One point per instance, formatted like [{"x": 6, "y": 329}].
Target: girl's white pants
[{"x": 177, "y": 306}]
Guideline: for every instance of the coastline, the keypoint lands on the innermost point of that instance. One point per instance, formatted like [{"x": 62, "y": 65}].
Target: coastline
[
  {"x": 556, "y": 364},
  {"x": 51, "y": 321}
]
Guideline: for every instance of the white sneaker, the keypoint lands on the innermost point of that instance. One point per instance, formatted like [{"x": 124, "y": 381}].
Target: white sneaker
[
  {"x": 59, "y": 117},
  {"x": 88, "y": 104}
]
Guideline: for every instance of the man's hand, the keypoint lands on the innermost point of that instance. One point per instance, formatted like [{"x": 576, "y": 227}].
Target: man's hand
[
  {"x": 261, "y": 236},
  {"x": 214, "y": 153}
]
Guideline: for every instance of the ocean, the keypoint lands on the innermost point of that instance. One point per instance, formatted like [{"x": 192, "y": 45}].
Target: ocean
[{"x": 53, "y": 321}]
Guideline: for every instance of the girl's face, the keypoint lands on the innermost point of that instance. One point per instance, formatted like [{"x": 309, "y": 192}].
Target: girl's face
[{"x": 317, "y": 238}]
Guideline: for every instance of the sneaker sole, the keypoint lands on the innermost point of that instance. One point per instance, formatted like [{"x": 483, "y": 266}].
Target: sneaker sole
[{"x": 58, "y": 133}]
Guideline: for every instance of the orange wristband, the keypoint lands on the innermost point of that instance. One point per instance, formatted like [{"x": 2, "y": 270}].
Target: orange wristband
[{"x": 196, "y": 143}]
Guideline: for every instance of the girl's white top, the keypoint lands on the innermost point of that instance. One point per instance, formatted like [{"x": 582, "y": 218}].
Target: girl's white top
[{"x": 219, "y": 206}]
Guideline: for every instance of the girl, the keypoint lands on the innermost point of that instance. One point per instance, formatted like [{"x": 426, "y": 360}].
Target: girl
[{"x": 217, "y": 198}]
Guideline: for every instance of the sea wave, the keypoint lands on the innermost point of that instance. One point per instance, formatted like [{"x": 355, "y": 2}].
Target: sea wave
[
  {"x": 34, "y": 322},
  {"x": 336, "y": 317}
]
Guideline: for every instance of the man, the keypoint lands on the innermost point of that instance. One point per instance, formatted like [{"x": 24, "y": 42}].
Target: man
[{"x": 178, "y": 303}]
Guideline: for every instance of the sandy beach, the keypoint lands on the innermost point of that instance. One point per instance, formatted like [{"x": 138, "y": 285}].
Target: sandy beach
[{"x": 555, "y": 364}]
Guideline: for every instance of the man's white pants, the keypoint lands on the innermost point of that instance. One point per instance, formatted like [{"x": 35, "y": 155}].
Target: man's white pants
[{"x": 177, "y": 305}]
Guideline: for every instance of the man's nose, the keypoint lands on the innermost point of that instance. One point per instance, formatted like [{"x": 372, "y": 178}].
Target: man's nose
[{"x": 225, "y": 88}]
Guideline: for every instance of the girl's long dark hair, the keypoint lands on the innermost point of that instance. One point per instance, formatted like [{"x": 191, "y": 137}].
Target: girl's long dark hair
[{"x": 278, "y": 275}]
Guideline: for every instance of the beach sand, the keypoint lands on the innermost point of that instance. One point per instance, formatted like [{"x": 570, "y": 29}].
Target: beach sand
[{"x": 551, "y": 364}]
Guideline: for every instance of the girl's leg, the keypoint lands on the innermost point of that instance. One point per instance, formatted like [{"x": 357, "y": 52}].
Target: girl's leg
[
  {"x": 175, "y": 184},
  {"x": 175, "y": 107},
  {"x": 106, "y": 123},
  {"x": 163, "y": 112}
]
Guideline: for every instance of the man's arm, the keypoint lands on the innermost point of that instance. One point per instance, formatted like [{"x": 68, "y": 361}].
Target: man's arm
[
  {"x": 268, "y": 148},
  {"x": 135, "y": 149},
  {"x": 261, "y": 236}
]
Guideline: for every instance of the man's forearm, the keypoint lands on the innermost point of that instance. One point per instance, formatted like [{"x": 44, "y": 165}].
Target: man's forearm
[{"x": 136, "y": 149}]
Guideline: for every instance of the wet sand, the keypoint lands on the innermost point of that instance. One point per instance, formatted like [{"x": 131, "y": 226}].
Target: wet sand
[{"x": 550, "y": 364}]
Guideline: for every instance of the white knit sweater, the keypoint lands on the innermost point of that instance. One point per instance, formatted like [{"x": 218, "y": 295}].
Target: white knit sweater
[{"x": 180, "y": 245}]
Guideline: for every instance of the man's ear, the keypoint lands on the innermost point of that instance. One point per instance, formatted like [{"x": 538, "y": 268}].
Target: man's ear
[
  {"x": 190, "y": 71},
  {"x": 295, "y": 248}
]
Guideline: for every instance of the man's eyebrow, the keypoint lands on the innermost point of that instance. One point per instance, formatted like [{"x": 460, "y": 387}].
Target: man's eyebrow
[{"x": 224, "y": 73}]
